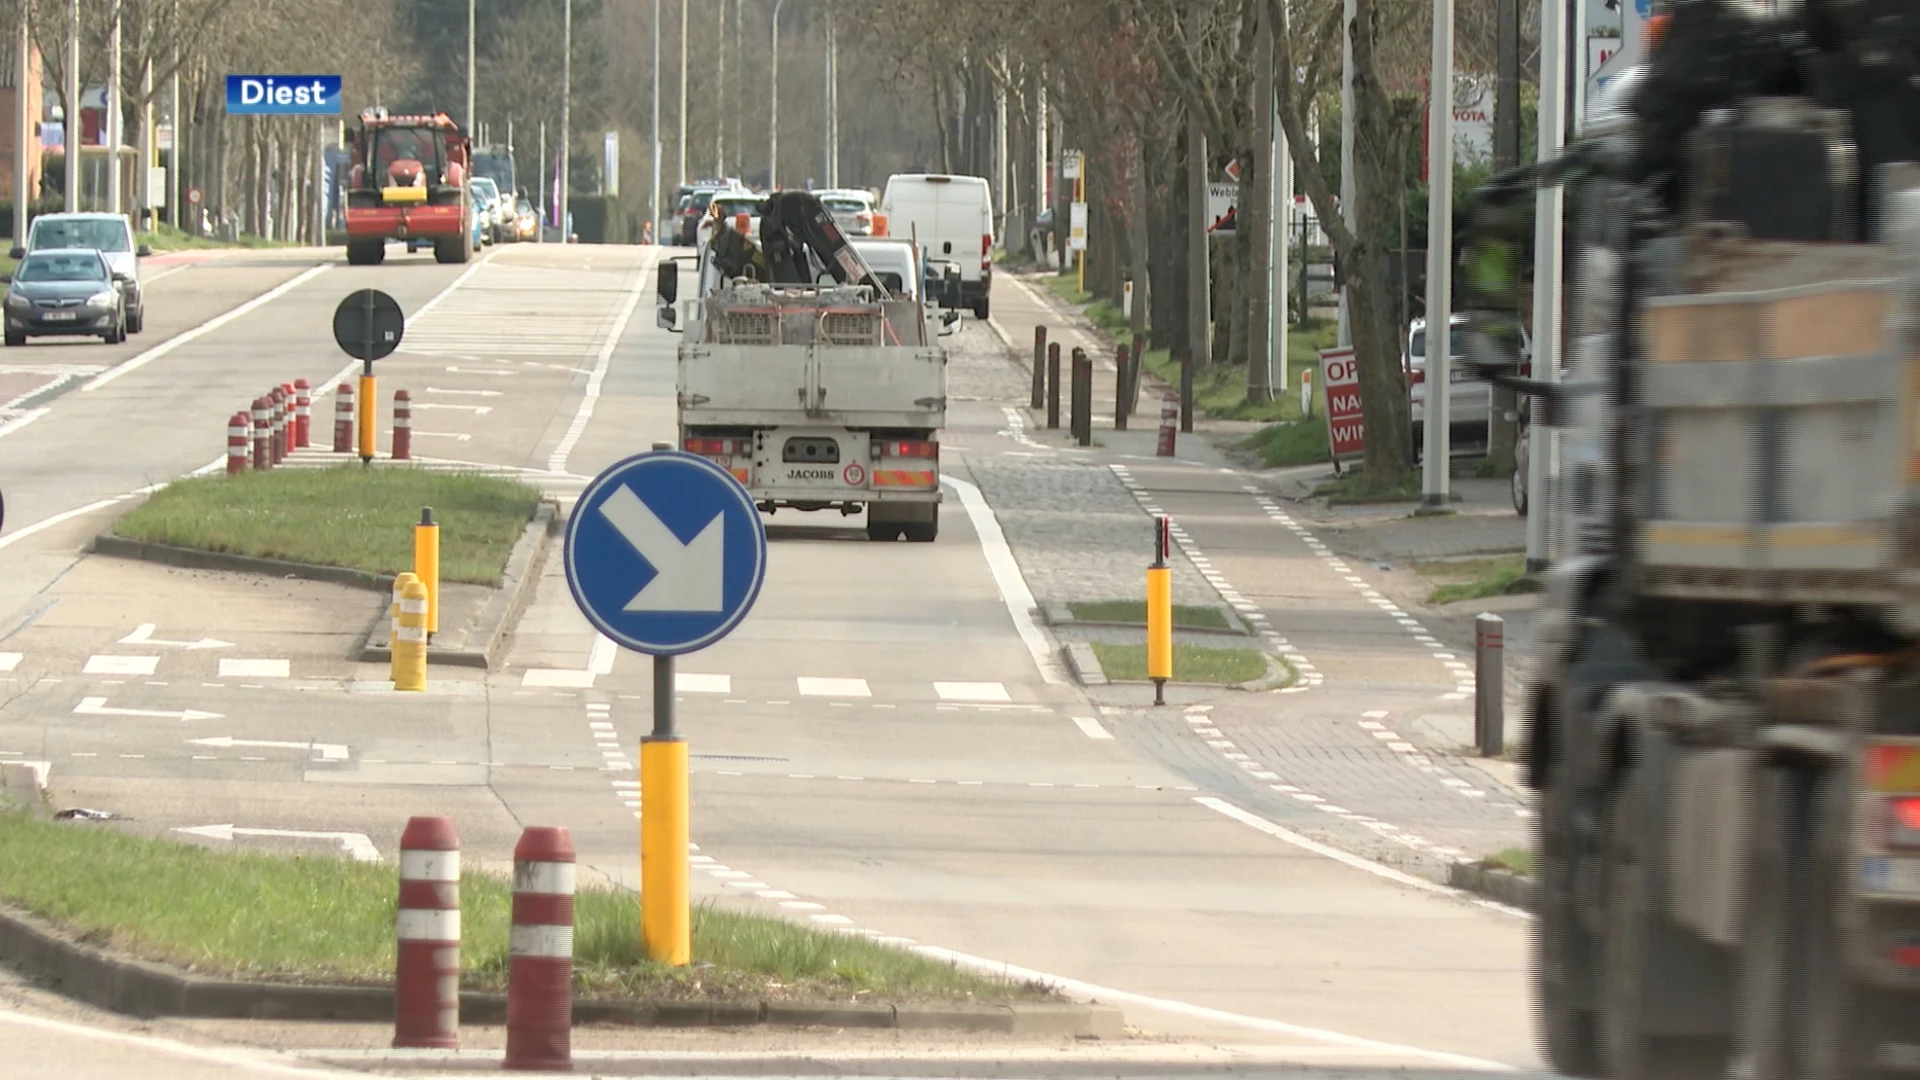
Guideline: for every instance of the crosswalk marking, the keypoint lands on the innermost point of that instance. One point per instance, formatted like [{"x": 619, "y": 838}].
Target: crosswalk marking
[
  {"x": 231, "y": 668},
  {"x": 817, "y": 687},
  {"x": 971, "y": 691}
]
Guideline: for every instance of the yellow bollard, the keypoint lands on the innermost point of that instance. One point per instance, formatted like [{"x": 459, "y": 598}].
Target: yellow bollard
[
  {"x": 393, "y": 609},
  {"x": 409, "y": 650},
  {"x": 426, "y": 565},
  {"x": 666, "y": 912},
  {"x": 1160, "y": 613},
  {"x": 366, "y": 403}
]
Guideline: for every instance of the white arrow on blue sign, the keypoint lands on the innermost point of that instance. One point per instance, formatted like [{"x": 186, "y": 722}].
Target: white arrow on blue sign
[{"x": 665, "y": 553}]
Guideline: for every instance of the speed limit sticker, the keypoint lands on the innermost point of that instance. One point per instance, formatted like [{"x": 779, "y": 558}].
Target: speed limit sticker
[{"x": 854, "y": 474}]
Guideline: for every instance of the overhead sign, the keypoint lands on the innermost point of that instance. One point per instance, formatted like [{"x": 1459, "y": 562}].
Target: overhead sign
[
  {"x": 1346, "y": 427},
  {"x": 665, "y": 553},
  {"x": 283, "y": 95},
  {"x": 1222, "y": 200},
  {"x": 368, "y": 325}
]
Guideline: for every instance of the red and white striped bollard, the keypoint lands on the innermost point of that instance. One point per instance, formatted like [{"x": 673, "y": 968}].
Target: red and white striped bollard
[
  {"x": 276, "y": 415},
  {"x": 426, "y": 976},
  {"x": 343, "y": 418},
  {"x": 1169, "y": 426},
  {"x": 540, "y": 952},
  {"x": 237, "y": 431},
  {"x": 402, "y": 426},
  {"x": 262, "y": 454},
  {"x": 289, "y": 423},
  {"x": 302, "y": 413}
]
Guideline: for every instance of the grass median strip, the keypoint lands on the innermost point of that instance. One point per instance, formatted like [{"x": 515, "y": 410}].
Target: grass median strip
[
  {"x": 353, "y": 517},
  {"x": 1134, "y": 612},
  {"x": 327, "y": 920},
  {"x": 1513, "y": 860},
  {"x": 1191, "y": 663},
  {"x": 1478, "y": 579}
]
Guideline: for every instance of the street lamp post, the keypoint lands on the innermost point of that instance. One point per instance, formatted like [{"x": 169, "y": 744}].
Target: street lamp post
[
  {"x": 1439, "y": 412},
  {"x": 113, "y": 112},
  {"x": 71, "y": 118},
  {"x": 22, "y": 126},
  {"x": 682, "y": 173},
  {"x": 566, "y": 111},
  {"x": 653, "y": 192},
  {"x": 470, "y": 79},
  {"x": 773, "y": 108}
]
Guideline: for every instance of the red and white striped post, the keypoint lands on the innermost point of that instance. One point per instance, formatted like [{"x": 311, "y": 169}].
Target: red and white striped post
[
  {"x": 302, "y": 414},
  {"x": 289, "y": 422},
  {"x": 402, "y": 426},
  {"x": 343, "y": 418},
  {"x": 262, "y": 454},
  {"x": 426, "y": 977},
  {"x": 276, "y": 415},
  {"x": 540, "y": 952},
  {"x": 237, "y": 432}
]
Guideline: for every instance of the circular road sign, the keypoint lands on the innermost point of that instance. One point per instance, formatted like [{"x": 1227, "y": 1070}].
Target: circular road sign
[
  {"x": 193, "y": 195},
  {"x": 368, "y": 324},
  {"x": 665, "y": 553}
]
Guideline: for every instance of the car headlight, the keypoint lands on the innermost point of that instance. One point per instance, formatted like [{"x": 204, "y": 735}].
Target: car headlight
[
  {"x": 101, "y": 298},
  {"x": 18, "y": 302}
]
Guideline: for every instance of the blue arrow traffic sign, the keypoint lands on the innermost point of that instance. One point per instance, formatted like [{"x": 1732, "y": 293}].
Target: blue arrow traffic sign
[{"x": 665, "y": 553}]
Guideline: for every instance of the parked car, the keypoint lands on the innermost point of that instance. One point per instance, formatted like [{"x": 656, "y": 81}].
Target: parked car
[
  {"x": 109, "y": 234},
  {"x": 952, "y": 218},
  {"x": 852, "y": 210},
  {"x": 1469, "y": 400},
  {"x": 691, "y": 209},
  {"x": 68, "y": 292}
]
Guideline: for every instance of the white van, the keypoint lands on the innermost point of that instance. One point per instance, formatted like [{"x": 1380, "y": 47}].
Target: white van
[{"x": 951, "y": 217}]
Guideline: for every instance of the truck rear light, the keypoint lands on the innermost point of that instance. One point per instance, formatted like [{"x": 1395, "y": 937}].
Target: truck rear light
[
  {"x": 912, "y": 448},
  {"x": 1900, "y": 822},
  {"x": 1417, "y": 375},
  {"x": 712, "y": 447},
  {"x": 986, "y": 244}
]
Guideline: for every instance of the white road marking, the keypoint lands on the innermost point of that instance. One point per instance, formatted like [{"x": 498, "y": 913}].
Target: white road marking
[
  {"x": 1006, "y": 577},
  {"x": 255, "y": 669},
  {"x": 120, "y": 665},
  {"x": 971, "y": 691},
  {"x": 1091, "y": 727},
  {"x": 257, "y": 1062},
  {"x": 821, "y": 687},
  {"x": 23, "y": 420},
  {"x": 10, "y": 660},
  {"x": 557, "y": 677},
  {"x": 688, "y": 682},
  {"x": 557, "y": 461},
  {"x": 202, "y": 330}
]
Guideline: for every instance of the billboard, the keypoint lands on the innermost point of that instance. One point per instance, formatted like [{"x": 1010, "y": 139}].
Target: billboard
[{"x": 1346, "y": 428}]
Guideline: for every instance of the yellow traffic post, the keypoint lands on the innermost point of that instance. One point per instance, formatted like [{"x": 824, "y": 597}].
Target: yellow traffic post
[
  {"x": 666, "y": 898},
  {"x": 426, "y": 565},
  {"x": 408, "y": 652},
  {"x": 1160, "y": 612},
  {"x": 366, "y": 403}
]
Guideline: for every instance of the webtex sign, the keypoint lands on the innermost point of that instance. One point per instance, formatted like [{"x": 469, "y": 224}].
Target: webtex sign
[
  {"x": 283, "y": 95},
  {"x": 1346, "y": 429}
]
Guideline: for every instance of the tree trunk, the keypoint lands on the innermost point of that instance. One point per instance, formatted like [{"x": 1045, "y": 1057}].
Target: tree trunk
[
  {"x": 1259, "y": 232},
  {"x": 940, "y": 118},
  {"x": 1166, "y": 325},
  {"x": 1139, "y": 228},
  {"x": 1383, "y": 384}
]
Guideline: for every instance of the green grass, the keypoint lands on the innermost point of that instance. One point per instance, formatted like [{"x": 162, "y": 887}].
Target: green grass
[
  {"x": 1134, "y": 612},
  {"x": 353, "y": 517},
  {"x": 1477, "y": 579},
  {"x": 1290, "y": 442},
  {"x": 167, "y": 238},
  {"x": 1191, "y": 663},
  {"x": 264, "y": 916},
  {"x": 1359, "y": 487},
  {"x": 1516, "y": 860}
]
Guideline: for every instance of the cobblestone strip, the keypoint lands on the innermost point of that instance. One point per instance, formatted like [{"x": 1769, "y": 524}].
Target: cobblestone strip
[{"x": 1310, "y": 676}]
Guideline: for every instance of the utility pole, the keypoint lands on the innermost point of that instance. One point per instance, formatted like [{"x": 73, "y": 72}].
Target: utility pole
[
  {"x": 1199, "y": 309},
  {"x": 22, "y": 124},
  {"x": 720, "y": 97},
  {"x": 826, "y": 109},
  {"x": 1259, "y": 225},
  {"x": 1041, "y": 125},
  {"x": 653, "y": 192},
  {"x": 71, "y": 117},
  {"x": 114, "y": 104},
  {"x": 1002, "y": 164},
  {"x": 1548, "y": 236},
  {"x": 470, "y": 73},
  {"x": 833, "y": 112},
  {"x": 540, "y": 237},
  {"x": 683, "y": 175},
  {"x": 1279, "y": 216},
  {"x": 773, "y": 109},
  {"x": 179, "y": 143},
  {"x": 149, "y": 152},
  {"x": 566, "y": 115},
  {"x": 1506, "y": 155},
  {"x": 1434, "y": 479},
  {"x": 1349, "y": 12}
]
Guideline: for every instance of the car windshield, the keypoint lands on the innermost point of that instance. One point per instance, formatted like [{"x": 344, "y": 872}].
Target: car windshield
[
  {"x": 700, "y": 200},
  {"x": 845, "y": 206},
  {"x": 1419, "y": 347},
  {"x": 65, "y": 267},
  {"x": 730, "y": 207},
  {"x": 99, "y": 234}
]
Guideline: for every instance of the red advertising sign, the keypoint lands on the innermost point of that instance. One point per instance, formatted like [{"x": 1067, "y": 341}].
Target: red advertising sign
[{"x": 1346, "y": 430}]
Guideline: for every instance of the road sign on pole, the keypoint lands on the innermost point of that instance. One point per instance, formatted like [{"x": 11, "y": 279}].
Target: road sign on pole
[
  {"x": 368, "y": 326},
  {"x": 665, "y": 554}
]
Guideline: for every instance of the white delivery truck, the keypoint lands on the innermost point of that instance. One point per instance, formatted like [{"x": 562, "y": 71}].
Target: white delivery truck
[
  {"x": 951, "y": 218},
  {"x": 805, "y": 377}
]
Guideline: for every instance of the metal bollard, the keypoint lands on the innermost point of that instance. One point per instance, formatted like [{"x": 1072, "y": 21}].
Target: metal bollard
[
  {"x": 540, "y": 952},
  {"x": 426, "y": 565},
  {"x": 289, "y": 420},
  {"x": 1120, "y": 375},
  {"x": 1169, "y": 425},
  {"x": 1039, "y": 366},
  {"x": 262, "y": 454},
  {"x": 276, "y": 431},
  {"x": 407, "y": 651},
  {"x": 426, "y": 971},
  {"x": 1160, "y": 610},
  {"x": 237, "y": 444},
  {"x": 343, "y": 418},
  {"x": 1186, "y": 394},
  {"x": 1053, "y": 386},
  {"x": 402, "y": 426},
  {"x": 302, "y": 414},
  {"x": 1082, "y": 397},
  {"x": 1489, "y": 706}
]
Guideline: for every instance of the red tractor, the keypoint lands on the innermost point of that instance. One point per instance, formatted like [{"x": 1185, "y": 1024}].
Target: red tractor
[{"x": 408, "y": 181}]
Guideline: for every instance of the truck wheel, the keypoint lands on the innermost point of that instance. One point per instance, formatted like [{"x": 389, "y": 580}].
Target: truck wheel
[
  {"x": 980, "y": 309},
  {"x": 451, "y": 249},
  {"x": 1563, "y": 953},
  {"x": 925, "y": 532},
  {"x": 366, "y": 252},
  {"x": 884, "y": 531}
]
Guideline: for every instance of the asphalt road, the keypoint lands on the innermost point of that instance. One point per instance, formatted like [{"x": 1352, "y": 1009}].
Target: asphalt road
[{"x": 877, "y": 748}]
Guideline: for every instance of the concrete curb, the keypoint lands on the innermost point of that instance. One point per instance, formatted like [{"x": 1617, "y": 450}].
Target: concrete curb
[
  {"x": 1062, "y": 616},
  {"x": 503, "y": 609},
  {"x": 1495, "y": 884},
  {"x": 120, "y": 547},
  {"x": 1083, "y": 665},
  {"x": 140, "y": 989}
]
